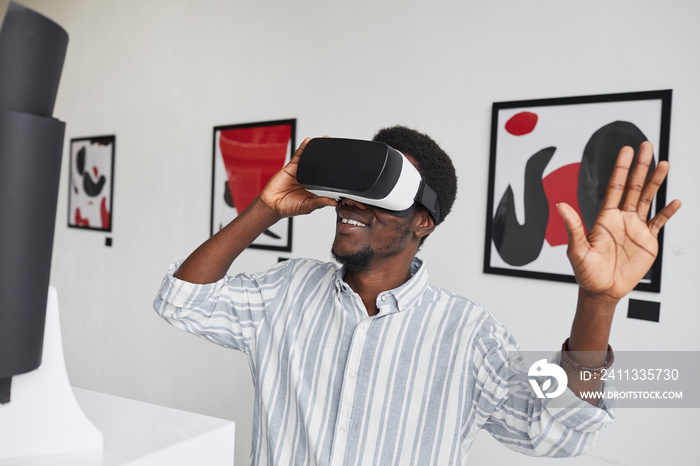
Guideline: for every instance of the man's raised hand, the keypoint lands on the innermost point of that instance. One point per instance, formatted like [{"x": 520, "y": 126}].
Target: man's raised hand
[
  {"x": 286, "y": 197},
  {"x": 622, "y": 246}
]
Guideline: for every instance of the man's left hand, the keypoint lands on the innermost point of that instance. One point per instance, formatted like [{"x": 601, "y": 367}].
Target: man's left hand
[{"x": 622, "y": 246}]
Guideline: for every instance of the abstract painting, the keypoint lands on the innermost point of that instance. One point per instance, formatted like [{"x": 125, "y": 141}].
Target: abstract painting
[
  {"x": 91, "y": 185},
  {"x": 562, "y": 150},
  {"x": 246, "y": 156}
]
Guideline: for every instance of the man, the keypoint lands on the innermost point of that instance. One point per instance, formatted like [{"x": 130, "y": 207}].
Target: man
[{"x": 369, "y": 363}]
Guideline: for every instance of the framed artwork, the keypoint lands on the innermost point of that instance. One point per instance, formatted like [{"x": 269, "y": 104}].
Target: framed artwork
[
  {"x": 245, "y": 158},
  {"x": 551, "y": 150},
  {"x": 91, "y": 183}
]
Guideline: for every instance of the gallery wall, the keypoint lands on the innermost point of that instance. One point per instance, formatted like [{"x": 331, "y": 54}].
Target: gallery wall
[{"x": 160, "y": 75}]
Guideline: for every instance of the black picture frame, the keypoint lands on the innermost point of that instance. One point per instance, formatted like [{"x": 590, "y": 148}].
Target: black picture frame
[
  {"x": 562, "y": 149},
  {"x": 91, "y": 183},
  {"x": 234, "y": 146}
]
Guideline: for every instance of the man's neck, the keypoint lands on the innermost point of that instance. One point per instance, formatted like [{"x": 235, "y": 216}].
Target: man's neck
[{"x": 370, "y": 282}]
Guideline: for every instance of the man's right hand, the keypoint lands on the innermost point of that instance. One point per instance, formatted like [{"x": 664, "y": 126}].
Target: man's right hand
[
  {"x": 282, "y": 197},
  {"x": 286, "y": 197}
]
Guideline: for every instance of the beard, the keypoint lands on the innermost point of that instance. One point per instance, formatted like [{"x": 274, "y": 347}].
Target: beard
[
  {"x": 360, "y": 260},
  {"x": 356, "y": 261}
]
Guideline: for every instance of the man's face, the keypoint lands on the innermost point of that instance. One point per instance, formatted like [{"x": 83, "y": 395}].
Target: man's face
[{"x": 366, "y": 236}]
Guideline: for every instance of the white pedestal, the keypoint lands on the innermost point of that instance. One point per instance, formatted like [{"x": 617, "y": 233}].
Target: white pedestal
[
  {"x": 144, "y": 434},
  {"x": 49, "y": 423},
  {"x": 140, "y": 434},
  {"x": 43, "y": 416}
]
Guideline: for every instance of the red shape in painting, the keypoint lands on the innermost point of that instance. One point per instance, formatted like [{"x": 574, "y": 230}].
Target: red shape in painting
[
  {"x": 79, "y": 220},
  {"x": 251, "y": 156},
  {"x": 560, "y": 186},
  {"x": 104, "y": 213},
  {"x": 521, "y": 123}
]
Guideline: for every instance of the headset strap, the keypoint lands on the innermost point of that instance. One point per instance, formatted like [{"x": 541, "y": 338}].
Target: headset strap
[{"x": 427, "y": 197}]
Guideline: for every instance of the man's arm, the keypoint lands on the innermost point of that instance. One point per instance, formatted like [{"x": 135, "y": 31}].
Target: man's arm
[
  {"x": 617, "y": 253},
  {"x": 282, "y": 197}
]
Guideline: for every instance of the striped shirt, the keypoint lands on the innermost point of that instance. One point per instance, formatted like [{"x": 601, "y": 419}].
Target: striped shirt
[{"x": 411, "y": 385}]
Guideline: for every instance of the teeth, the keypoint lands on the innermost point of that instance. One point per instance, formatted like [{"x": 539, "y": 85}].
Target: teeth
[{"x": 353, "y": 222}]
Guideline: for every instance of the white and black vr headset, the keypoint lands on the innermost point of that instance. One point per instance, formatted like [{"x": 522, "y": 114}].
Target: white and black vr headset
[{"x": 366, "y": 171}]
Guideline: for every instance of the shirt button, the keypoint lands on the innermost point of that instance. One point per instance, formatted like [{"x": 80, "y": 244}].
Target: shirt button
[
  {"x": 352, "y": 375},
  {"x": 383, "y": 297},
  {"x": 364, "y": 325},
  {"x": 343, "y": 428}
]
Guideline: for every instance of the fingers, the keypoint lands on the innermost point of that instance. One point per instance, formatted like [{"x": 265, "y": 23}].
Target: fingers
[
  {"x": 636, "y": 181},
  {"x": 618, "y": 179},
  {"x": 297, "y": 153},
  {"x": 313, "y": 203},
  {"x": 651, "y": 188},
  {"x": 574, "y": 226},
  {"x": 660, "y": 219},
  {"x": 638, "y": 191},
  {"x": 326, "y": 202}
]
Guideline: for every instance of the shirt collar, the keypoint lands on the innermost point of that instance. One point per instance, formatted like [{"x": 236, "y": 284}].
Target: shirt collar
[
  {"x": 410, "y": 292},
  {"x": 405, "y": 295}
]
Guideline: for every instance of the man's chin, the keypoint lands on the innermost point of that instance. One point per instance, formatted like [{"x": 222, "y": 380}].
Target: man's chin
[{"x": 357, "y": 260}]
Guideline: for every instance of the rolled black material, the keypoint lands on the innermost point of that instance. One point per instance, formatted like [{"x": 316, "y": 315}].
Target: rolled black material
[
  {"x": 32, "y": 50},
  {"x": 30, "y": 164}
]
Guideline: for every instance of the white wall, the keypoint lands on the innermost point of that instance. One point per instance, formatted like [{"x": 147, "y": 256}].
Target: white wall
[{"x": 161, "y": 74}]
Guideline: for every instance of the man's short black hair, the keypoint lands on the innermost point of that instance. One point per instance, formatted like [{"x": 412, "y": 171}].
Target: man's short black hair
[{"x": 433, "y": 163}]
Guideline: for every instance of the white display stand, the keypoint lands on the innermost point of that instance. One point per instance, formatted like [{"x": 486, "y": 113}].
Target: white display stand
[
  {"x": 140, "y": 434},
  {"x": 144, "y": 434},
  {"x": 43, "y": 417},
  {"x": 49, "y": 423}
]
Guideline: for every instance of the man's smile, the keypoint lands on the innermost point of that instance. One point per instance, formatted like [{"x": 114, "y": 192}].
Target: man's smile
[
  {"x": 352, "y": 222},
  {"x": 351, "y": 218}
]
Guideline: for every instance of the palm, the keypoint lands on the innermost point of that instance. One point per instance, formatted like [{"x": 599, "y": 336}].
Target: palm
[
  {"x": 621, "y": 251},
  {"x": 622, "y": 245}
]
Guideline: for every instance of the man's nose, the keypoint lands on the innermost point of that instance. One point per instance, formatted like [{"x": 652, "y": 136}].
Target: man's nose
[{"x": 354, "y": 203}]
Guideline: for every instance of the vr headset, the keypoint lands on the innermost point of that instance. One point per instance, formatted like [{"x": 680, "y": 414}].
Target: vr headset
[{"x": 366, "y": 171}]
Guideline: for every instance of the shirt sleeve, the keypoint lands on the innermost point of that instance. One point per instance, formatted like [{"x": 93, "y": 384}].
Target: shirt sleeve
[
  {"x": 226, "y": 312},
  {"x": 564, "y": 426}
]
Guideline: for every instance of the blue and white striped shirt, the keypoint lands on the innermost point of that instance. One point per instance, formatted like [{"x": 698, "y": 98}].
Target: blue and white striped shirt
[{"x": 411, "y": 385}]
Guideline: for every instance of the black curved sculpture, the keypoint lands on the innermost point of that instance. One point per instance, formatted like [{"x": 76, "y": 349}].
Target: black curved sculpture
[{"x": 32, "y": 52}]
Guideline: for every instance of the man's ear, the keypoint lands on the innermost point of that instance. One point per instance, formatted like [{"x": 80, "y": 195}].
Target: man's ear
[{"x": 425, "y": 223}]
